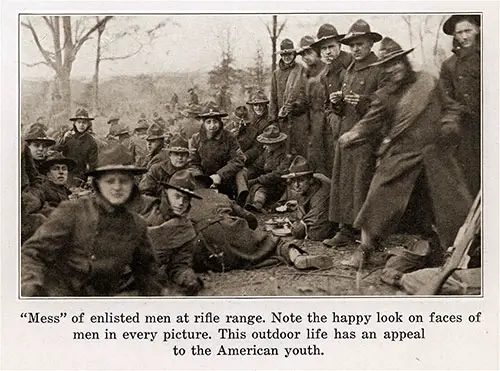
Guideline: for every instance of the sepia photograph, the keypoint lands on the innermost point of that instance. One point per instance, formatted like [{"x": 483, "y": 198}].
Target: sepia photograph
[{"x": 250, "y": 155}]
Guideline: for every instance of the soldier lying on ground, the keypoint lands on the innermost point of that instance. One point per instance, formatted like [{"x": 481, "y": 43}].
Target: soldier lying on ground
[
  {"x": 93, "y": 246},
  {"x": 228, "y": 237}
]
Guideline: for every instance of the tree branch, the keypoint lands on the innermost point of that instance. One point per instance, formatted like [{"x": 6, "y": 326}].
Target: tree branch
[
  {"x": 35, "y": 64},
  {"x": 281, "y": 28},
  {"x": 85, "y": 37},
  {"x": 123, "y": 56},
  {"x": 49, "y": 23},
  {"x": 44, "y": 52}
]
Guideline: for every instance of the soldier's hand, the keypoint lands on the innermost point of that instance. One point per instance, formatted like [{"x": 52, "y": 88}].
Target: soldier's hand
[
  {"x": 336, "y": 97},
  {"x": 283, "y": 112},
  {"x": 347, "y": 139},
  {"x": 352, "y": 98},
  {"x": 216, "y": 178}
]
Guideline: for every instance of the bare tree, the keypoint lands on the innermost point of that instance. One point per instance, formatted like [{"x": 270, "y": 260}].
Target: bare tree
[
  {"x": 274, "y": 32},
  {"x": 136, "y": 42},
  {"x": 407, "y": 19},
  {"x": 68, "y": 36}
]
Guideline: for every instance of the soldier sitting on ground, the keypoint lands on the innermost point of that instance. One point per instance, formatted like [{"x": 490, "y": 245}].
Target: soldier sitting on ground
[
  {"x": 311, "y": 193},
  {"x": 178, "y": 158},
  {"x": 52, "y": 190},
  {"x": 266, "y": 184}
]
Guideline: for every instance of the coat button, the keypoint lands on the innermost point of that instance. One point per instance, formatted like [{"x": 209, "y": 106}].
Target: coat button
[
  {"x": 93, "y": 257},
  {"x": 460, "y": 77},
  {"x": 466, "y": 95}
]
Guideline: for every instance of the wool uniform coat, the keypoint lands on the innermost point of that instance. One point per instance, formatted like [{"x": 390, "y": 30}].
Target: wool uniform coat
[
  {"x": 288, "y": 89},
  {"x": 172, "y": 238},
  {"x": 412, "y": 146},
  {"x": 50, "y": 195},
  {"x": 225, "y": 240},
  {"x": 151, "y": 182},
  {"x": 81, "y": 148},
  {"x": 322, "y": 138},
  {"x": 140, "y": 149},
  {"x": 311, "y": 216},
  {"x": 353, "y": 169},
  {"x": 247, "y": 138},
  {"x": 461, "y": 80},
  {"x": 219, "y": 155},
  {"x": 87, "y": 247},
  {"x": 268, "y": 169}
]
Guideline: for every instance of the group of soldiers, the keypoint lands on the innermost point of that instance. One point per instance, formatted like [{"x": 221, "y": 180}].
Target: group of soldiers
[{"x": 353, "y": 145}]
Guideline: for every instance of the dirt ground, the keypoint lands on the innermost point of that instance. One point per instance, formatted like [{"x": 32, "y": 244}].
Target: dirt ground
[{"x": 283, "y": 280}]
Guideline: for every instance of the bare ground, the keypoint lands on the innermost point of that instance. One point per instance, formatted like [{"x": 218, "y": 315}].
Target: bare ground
[{"x": 284, "y": 280}]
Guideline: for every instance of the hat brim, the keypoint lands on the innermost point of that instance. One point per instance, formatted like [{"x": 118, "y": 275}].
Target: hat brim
[
  {"x": 296, "y": 175},
  {"x": 213, "y": 114},
  {"x": 177, "y": 149},
  {"x": 261, "y": 101},
  {"x": 46, "y": 165},
  {"x": 348, "y": 38},
  {"x": 156, "y": 137},
  {"x": 45, "y": 140},
  {"x": 183, "y": 190},
  {"x": 449, "y": 25},
  {"x": 125, "y": 168},
  {"x": 392, "y": 56},
  {"x": 286, "y": 51},
  {"x": 81, "y": 118},
  {"x": 324, "y": 39},
  {"x": 280, "y": 138}
]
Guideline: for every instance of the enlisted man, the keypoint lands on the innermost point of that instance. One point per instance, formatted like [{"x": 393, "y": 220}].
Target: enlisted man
[
  {"x": 155, "y": 146},
  {"x": 461, "y": 80},
  {"x": 353, "y": 170}
]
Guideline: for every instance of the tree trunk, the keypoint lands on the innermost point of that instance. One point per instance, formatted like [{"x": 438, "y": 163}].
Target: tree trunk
[
  {"x": 96, "y": 73},
  {"x": 274, "y": 37}
]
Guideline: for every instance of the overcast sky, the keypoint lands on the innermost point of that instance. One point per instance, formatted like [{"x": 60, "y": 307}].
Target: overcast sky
[{"x": 193, "y": 42}]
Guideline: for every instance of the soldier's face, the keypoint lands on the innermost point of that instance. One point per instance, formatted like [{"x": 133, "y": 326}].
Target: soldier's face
[
  {"x": 330, "y": 51},
  {"x": 288, "y": 57},
  {"x": 361, "y": 47},
  {"x": 38, "y": 150},
  {"x": 142, "y": 133},
  {"x": 81, "y": 125},
  {"x": 154, "y": 144},
  {"x": 465, "y": 33},
  {"x": 396, "y": 70},
  {"x": 310, "y": 57},
  {"x": 259, "y": 108},
  {"x": 179, "y": 159},
  {"x": 212, "y": 126},
  {"x": 301, "y": 184},
  {"x": 115, "y": 186},
  {"x": 58, "y": 174},
  {"x": 178, "y": 201}
]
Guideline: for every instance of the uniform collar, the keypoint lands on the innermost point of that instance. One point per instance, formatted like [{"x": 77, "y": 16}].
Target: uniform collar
[{"x": 365, "y": 63}]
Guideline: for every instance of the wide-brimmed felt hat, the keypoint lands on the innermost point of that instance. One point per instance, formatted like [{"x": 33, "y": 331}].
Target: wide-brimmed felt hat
[
  {"x": 183, "y": 181},
  {"x": 258, "y": 97},
  {"x": 178, "y": 144},
  {"x": 271, "y": 135},
  {"x": 286, "y": 46},
  {"x": 211, "y": 110},
  {"x": 240, "y": 114},
  {"x": 81, "y": 113},
  {"x": 389, "y": 50},
  {"x": 155, "y": 131},
  {"x": 113, "y": 119},
  {"x": 449, "y": 25},
  {"x": 305, "y": 44},
  {"x": 299, "y": 167},
  {"x": 325, "y": 33},
  {"x": 142, "y": 124},
  {"x": 358, "y": 29},
  {"x": 56, "y": 158},
  {"x": 36, "y": 134},
  {"x": 115, "y": 158}
]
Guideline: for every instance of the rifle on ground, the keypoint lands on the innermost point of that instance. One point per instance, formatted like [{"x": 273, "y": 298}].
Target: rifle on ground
[{"x": 459, "y": 257}]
